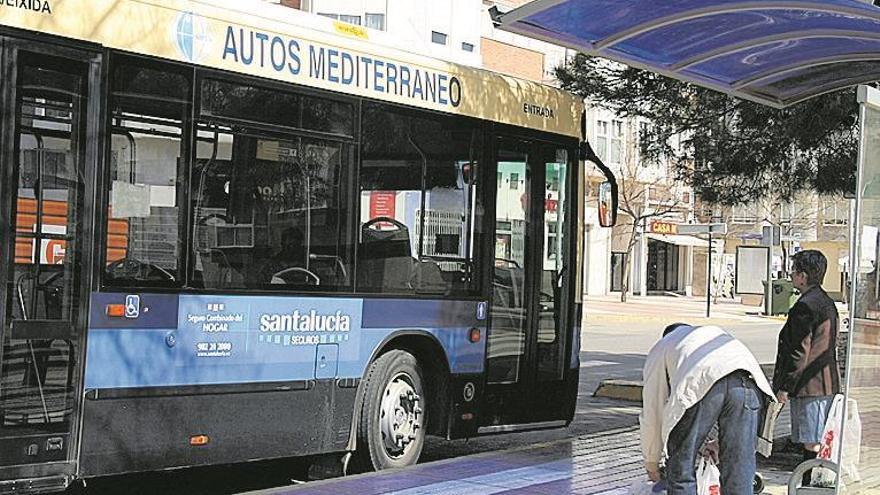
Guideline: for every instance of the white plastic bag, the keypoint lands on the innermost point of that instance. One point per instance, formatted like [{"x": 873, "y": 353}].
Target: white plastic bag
[
  {"x": 708, "y": 478},
  {"x": 829, "y": 446},
  {"x": 852, "y": 442}
]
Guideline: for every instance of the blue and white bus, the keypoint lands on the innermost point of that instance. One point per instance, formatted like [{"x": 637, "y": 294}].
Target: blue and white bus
[{"x": 228, "y": 237}]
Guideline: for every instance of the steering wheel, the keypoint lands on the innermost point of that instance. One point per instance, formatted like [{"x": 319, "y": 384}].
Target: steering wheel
[
  {"x": 373, "y": 221},
  {"x": 508, "y": 262},
  {"x": 280, "y": 277},
  {"x": 213, "y": 216},
  {"x": 133, "y": 269}
]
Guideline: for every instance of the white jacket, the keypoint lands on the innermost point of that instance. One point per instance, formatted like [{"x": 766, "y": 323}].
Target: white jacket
[{"x": 693, "y": 359}]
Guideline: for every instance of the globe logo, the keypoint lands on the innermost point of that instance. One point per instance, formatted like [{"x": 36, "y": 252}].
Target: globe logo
[{"x": 192, "y": 36}]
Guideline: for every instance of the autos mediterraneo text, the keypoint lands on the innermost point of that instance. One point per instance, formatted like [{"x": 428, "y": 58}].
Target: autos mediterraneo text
[
  {"x": 284, "y": 54},
  {"x": 305, "y": 322}
]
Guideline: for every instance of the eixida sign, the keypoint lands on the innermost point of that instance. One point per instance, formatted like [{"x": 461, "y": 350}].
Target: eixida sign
[{"x": 41, "y": 6}]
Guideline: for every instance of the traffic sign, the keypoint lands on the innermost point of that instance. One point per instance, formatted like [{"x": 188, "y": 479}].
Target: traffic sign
[{"x": 703, "y": 228}]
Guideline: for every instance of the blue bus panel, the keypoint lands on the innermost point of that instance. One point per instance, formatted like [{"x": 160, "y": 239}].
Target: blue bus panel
[{"x": 175, "y": 340}]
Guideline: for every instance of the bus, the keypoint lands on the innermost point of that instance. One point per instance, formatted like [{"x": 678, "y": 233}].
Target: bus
[{"x": 227, "y": 237}]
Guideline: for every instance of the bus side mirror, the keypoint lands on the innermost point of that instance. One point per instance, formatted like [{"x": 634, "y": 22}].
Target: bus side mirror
[
  {"x": 607, "y": 205},
  {"x": 607, "y": 189}
]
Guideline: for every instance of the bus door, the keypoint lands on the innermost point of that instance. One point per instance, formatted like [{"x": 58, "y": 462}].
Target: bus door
[
  {"x": 49, "y": 149},
  {"x": 528, "y": 377}
]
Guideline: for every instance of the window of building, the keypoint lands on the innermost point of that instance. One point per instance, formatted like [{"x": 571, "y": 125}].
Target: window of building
[
  {"x": 514, "y": 180},
  {"x": 602, "y": 139},
  {"x": 616, "y": 141},
  {"x": 270, "y": 206},
  {"x": 351, "y": 19},
  {"x": 797, "y": 213},
  {"x": 145, "y": 220},
  {"x": 500, "y": 179},
  {"x": 552, "y": 240},
  {"x": 644, "y": 128},
  {"x": 417, "y": 186},
  {"x": 835, "y": 212},
  {"x": 618, "y": 261},
  {"x": 374, "y": 21},
  {"x": 743, "y": 214},
  {"x": 326, "y": 14},
  {"x": 439, "y": 38},
  {"x": 468, "y": 47}
]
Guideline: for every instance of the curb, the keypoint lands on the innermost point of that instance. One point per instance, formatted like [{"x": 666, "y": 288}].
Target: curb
[{"x": 619, "y": 389}]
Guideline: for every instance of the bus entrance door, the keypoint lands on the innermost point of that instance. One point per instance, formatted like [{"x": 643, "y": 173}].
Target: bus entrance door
[
  {"x": 530, "y": 333},
  {"x": 48, "y": 137}
]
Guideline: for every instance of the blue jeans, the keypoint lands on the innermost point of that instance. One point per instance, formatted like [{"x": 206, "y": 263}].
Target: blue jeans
[
  {"x": 808, "y": 417},
  {"x": 734, "y": 402}
]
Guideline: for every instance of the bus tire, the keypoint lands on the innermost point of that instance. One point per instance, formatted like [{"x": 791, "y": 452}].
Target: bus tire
[{"x": 391, "y": 427}]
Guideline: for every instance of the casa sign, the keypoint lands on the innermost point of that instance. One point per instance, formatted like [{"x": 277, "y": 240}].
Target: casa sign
[{"x": 664, "y": 228}]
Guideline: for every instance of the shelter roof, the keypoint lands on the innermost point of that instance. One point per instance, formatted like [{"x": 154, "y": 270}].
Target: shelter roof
[{"x": 773, "y": 52}]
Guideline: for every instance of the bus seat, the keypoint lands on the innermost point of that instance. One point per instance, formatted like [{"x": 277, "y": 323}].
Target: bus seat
[
  {"x": 385, "y": 262},
  {"x": 389, "y": 273},
  {"x": 428, "y": 278},
  {"x": 216, "y": 271}
]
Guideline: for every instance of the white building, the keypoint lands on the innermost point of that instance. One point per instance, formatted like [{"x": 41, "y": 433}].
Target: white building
[{"x": 447, "y": 30}]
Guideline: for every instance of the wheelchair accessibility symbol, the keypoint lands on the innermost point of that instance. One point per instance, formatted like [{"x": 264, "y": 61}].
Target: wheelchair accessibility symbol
[{"x": 132, "y": 306}]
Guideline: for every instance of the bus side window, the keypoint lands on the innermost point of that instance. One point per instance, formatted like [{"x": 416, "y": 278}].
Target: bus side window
[
  {"x": 269, "y": 204},
  {"x": 418, "y": 194},
  {"x": 144, "y": 234}
]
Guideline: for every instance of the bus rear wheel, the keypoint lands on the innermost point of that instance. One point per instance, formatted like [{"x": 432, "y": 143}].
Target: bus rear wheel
[{"x": 391, "y": 429}]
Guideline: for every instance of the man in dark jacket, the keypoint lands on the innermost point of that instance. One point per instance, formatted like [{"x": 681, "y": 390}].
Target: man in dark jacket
[{"x": 806, "y": 356}]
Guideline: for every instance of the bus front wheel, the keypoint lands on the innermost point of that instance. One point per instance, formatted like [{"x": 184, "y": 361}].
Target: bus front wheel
[{"x": 391, "y": 429}]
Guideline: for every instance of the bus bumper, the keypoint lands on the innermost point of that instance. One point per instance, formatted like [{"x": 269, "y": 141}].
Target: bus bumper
[{"x": 46, "y": 484}]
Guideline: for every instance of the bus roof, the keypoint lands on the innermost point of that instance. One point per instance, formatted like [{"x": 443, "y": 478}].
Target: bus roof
[
  {"x": 774, "y": 52},
  {"x": 233, "y": 36}
]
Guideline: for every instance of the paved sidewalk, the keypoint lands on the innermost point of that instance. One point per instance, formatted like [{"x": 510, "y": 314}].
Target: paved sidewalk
[
  {"x": 687, "y": 308},
  {"x": 605, "y": 463}
]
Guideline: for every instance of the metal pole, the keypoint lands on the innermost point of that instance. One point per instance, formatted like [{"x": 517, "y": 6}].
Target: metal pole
[
  {"x": 709, "y": 278},
  {"x": 768, "y": 289}
]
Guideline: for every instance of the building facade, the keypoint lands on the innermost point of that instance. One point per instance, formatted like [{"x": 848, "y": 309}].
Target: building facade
[{"x": 807, "y": 222}]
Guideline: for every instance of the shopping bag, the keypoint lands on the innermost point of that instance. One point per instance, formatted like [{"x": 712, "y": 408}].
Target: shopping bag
[
  {"x": 708, "y": 478},
  {"x": 767, "y": 427},
  {"x": 829, "y": 445},
  {"x": 850, "y": 451}
]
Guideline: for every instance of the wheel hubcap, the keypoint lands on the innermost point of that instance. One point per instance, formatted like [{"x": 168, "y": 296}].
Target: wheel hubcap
[{"x": 401, "y": 415}]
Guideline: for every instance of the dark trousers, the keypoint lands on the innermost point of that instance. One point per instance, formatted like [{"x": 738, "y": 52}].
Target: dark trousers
[{"x": 734, "y": 402}]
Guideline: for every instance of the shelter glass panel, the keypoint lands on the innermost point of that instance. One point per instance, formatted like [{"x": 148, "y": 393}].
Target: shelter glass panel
[{"x": 860, "y": 462}]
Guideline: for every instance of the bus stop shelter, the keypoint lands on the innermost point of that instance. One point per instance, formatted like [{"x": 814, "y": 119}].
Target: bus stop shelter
[{"x": 777, "y": 53}]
